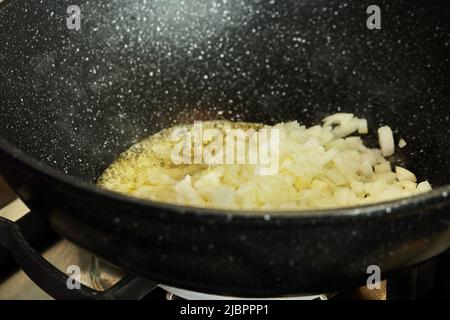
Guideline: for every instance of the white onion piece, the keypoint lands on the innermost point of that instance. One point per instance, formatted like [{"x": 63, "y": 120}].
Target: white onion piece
[
  {"x": 383, "y": 167},
  {"x": 386, "y": 141},
  {"x": 408, "y": 185},
  {"x": 402, "y": 143},
  {"x": 340, "y": 118},
  {"x": 366, "y": 168},
  {"x": 404, "y": 174},
  {"x": 357, "y": 186},
  {"x": 389, "y": 177},
  {"x": 424, "y": 186},
  {"x": 363, "y": 128}
]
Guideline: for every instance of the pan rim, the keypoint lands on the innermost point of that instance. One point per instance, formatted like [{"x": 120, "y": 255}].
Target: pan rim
[{"x": 391, "y": 208}]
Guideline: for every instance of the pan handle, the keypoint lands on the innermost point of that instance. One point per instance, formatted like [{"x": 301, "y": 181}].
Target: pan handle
[{"x": 54, "y": 282}]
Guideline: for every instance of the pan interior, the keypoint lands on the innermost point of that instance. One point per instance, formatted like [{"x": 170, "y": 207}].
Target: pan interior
[{"x": 76, "y": 99}]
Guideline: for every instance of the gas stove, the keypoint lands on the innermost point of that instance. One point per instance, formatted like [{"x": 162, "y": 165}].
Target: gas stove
[{"x": 430, "y": 280}]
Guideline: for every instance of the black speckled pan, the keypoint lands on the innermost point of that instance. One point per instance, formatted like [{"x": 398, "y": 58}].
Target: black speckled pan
[{"x": 71, "y": 101}]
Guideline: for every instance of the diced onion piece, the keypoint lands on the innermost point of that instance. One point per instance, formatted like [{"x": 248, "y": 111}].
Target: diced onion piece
[
  {"x": 144, "y": 191},
  {"x": 338, "y": 118},
  {"x": 357, "y": 186},
  {"x": 344, "y": 196},
  {"x": 373, "y": 188},
  {"x": 386, "y": 141},
  {"x": 404, "y": 174},
  {"x": 377, "y": 156},
  {"x": 335, "y": 176},
  {"x": 383, "y": 167},
  {"x": 363, "y": 128},
  {"x": 346, "y": 129},
  {"x": 160, "y": 177},
  {"x": 408, "y": 185},
  {"x": 424, "y": 186},
  {"x": 366, "y": 168},
  {"x": 186, "y": 192},
  {"x": 402, "y": 143},
  {"x": 317, "y": 184},
  {"x": 353, "y": 142},
  {"x": 345, "y": 123},
  {"x": 223, "y": 196},
  {"x": 389, "y": 177}
]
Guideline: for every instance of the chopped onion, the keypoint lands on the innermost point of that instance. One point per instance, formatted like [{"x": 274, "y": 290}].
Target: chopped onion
[
  {"x": 363, "y": 128},
  {"x": 383, "y": 167},
  {"x": 319, "y": 167},
  {"x": 386, "y": 141},
  {"x": 424, "y": 186},
  {"x": 404, "y": 174},
  {"x": 366, "y": 168}
]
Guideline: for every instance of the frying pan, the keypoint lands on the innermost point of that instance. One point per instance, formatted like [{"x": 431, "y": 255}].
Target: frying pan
[{"x": 72, "y": 100}]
